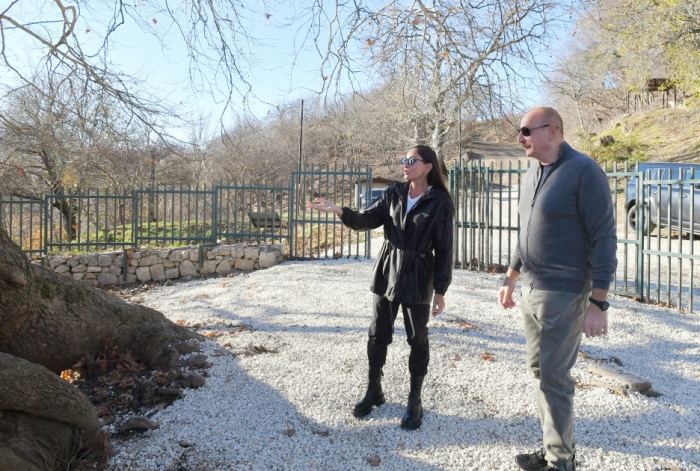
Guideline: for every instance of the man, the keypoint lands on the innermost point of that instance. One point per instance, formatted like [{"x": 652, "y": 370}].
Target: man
[{"x": 566, "y": 253}]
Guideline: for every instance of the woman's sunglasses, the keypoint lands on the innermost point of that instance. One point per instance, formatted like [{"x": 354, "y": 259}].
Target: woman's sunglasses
[
  {"x": 527, "y": 131},
  {"x": 410, "y": 160}
]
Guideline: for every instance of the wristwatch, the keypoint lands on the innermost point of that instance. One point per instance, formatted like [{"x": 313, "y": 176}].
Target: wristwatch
[{"x": 603, "y": 305}]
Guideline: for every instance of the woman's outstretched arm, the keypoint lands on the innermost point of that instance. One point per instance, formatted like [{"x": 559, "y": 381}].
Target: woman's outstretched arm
[{"x": 372, "y": 218}]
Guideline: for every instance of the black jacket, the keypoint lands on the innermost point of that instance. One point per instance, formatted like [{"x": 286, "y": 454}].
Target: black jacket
[{"x": 416, "y": 258}]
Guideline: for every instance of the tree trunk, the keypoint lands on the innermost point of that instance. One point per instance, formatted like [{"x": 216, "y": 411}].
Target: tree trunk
[
  {"x": 45, "y": 422},
  {"x": 53, "y": 320}
]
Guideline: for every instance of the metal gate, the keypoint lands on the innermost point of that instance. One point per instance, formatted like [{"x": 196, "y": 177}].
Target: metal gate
[
  {"x": 654, "y": 265},
  {"x": 323, "y": 235}
]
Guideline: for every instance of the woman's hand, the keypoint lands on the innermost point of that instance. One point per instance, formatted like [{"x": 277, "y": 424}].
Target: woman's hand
[
  {"x": 438, "y": 304},
  {"x": 326, "y": 206}
]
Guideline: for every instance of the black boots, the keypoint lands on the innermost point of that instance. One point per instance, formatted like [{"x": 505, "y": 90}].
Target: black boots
[
  {"x": 374, "y": 395},
  {"x": 413, "y": 417}
]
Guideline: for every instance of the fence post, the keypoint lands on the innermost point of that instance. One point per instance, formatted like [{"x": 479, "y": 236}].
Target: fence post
[
  {"x": 134, "y": 216},
  {"x": 290, "y": 223},
  {"x": 125, "y": 263},
  {"x": 641, "y": 214},
  {"x": 214, "y": 213}
]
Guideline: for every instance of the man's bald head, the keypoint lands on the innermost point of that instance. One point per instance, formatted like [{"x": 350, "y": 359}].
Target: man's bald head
[{"x": 549, "y": 116}]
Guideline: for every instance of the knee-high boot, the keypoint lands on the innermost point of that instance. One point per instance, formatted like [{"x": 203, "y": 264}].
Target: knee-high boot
[
  {"x": 413, "y": 417},
  {"x": 374, "y": 396}
]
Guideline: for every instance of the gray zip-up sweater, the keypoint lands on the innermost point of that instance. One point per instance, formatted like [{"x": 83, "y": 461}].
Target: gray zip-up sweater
[{"x": 567, "y": 236}]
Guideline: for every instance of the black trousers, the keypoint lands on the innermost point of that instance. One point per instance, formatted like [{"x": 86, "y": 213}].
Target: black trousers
[{"x": 381, "y": 331}]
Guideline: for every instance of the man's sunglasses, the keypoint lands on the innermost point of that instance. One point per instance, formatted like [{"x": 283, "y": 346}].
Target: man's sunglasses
[
  {"x": 410, "y": 160},
  {"x": 527, "y": 131}
]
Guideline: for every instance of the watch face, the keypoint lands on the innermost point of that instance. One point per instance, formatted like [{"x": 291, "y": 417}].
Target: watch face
[{"x": 605, "y": 306}]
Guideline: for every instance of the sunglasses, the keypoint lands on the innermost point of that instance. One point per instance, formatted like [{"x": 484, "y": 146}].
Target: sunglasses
[
  {"x": 410, "y": 160},
  {"x": 527, "y": 131}
]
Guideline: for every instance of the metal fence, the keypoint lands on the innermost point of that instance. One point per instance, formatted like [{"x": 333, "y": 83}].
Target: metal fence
[
  {"x": 657, "y": 255},
  {"x": 172, "y": 215}
]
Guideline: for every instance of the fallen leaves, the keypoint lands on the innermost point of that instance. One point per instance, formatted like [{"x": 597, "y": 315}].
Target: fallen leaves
[
  {"x": 468, "y": 325},
  {"x": 289, "y": 432},
  {"x": 374, "y": 461},
  {"x": 70, "y": 375},
  {"x": 487, "y": 356}
]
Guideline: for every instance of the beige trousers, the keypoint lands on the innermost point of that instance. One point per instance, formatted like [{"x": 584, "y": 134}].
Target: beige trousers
[{"x": 553, "y": 328}]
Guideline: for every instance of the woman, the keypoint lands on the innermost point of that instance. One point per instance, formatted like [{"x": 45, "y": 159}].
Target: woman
[{"x": 414, "y": 262}]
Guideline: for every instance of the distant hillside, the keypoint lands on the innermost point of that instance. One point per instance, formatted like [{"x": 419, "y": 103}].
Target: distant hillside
[{"x": 661, "y": 135}]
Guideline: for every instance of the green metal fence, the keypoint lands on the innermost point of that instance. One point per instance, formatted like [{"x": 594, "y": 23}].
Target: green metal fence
[
  {"x": 656, "y": 266},
  {"x": 171, "y": 215},
  {"x": 316, "y": 234}
]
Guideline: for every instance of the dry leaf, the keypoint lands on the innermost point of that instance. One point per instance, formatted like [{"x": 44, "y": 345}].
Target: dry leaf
[
  {"x": 289, "y": 432},
  {"x": 126, "y": 383},
  {"x": 211, "y": 335},
  {"x": 155, "y": 21},
  {"x": 86, "y": 31},
  {"x": 468, "y": 325},
  {"x": 181, "y": 322},
  {"x": 197, "y": 325},
  {"x": 374, "y": 461},
  {"x": 487, "y": 356},
  {"x": 227, "y": 344}
]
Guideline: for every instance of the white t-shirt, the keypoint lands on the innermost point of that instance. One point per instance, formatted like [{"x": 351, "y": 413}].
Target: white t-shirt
[{"x": 412, "y": 201}]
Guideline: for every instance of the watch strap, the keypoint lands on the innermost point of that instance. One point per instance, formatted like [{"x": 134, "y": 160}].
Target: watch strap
[{"x": 603, "y": 305}]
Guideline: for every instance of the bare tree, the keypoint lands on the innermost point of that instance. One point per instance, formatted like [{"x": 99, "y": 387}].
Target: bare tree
[{"x": 446, "y": 57}]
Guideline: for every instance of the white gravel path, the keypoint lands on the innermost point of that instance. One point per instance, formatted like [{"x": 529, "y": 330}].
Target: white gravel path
[{"x": 479, "y": 413}]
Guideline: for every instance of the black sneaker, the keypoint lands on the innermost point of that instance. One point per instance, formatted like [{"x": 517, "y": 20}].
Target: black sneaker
[
  {"x": 532, "y": 461},
  {"x": 535, "y": 461}
]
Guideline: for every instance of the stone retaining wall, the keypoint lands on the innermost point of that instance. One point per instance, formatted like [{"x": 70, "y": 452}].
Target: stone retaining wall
[{"x": 146, "y": 263}]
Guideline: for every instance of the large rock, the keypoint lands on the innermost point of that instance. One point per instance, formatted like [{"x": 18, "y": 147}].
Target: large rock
[
  {"x": 130, "y": 278},
  {"x": 94, "y": 269},
  {"x": 54, "y": 262},
  {"x": 224, "y": 266},
  {"x": 172, "y": 273},
  {"x": 78, "y": 276},
  {"x": 92, "y": 262},
  {"x": 187, "y": 268},
  {"x": 71, "y": 262},
  {"x": 143, "y": 273},
  {"x": 168, "y": 263},
  {"x": 209, "y": 267},
  {"x": 245, "y": 264},
  {"x": 267, "y": 259},
  {"x": 176, "y": 256},
  {"x": 158, "y": 272},
  {"x": 135, "y": 255},
  {"x": 107, "y": 279},
  {"x": 194, "y": 255},
  {"x": 116, "y": 271},
  {"x": 148, "y": 261},
  {"x": 79, "y": 269},
  {"x": 62, "y": 269},
  {"x": 104, "y": 261},
  {"x": 238, "y": 251},
  {"x": 251, "y": 253}
]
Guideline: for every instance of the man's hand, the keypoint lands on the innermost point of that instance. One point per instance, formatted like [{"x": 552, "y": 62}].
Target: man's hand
[
  {"x": 595, "y": 322},
  {"x": 438, "y": 304},
  {"x": 505, "y": 293}
]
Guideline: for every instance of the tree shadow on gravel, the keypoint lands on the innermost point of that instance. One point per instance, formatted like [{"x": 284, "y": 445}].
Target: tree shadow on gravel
[{"x": 239, "y": 422}]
